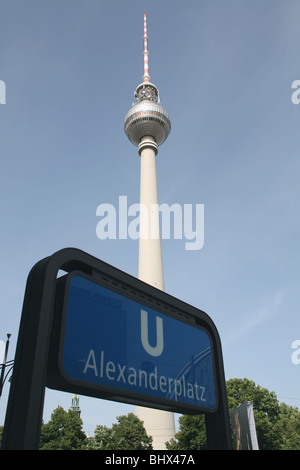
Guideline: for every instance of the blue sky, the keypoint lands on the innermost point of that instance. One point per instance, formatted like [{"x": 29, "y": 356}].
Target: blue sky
[{"x": 224, "y": 71}]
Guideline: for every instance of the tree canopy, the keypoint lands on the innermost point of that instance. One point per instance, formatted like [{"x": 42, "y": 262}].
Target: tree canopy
[
  {"x": 128, "y": 434},
  {"x": 63, "y": 431},
  {"x": 266, "y": 410},
  {"x": 277, "y": 425}
]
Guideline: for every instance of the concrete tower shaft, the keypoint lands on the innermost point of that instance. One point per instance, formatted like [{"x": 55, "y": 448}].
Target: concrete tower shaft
[{"x": 147, "y": 125}]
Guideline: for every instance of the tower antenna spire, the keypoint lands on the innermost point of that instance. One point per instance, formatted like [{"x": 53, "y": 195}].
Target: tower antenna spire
[{"x": 146, "y": 76}]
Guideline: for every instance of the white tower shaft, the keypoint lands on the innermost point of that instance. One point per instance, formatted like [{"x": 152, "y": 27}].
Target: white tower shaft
[
  {"x": 150, "y": 257},
  {"x": 147, "y": 125},
  {"x": 158, "y": 424}
]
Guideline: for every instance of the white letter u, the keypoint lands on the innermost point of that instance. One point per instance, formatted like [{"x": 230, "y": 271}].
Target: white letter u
[{"x": 158, "y": 349}]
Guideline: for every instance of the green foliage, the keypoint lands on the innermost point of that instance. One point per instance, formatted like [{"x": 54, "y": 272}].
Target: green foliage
[
  {"x": 265, "y": 406},
  {"x": 128, "y": 434},
  {"x": 289, "y": 427},
  {"x": 277, "y": 426},
  {"x": 192, "y": 434},
  {"x": 63, "y": 431}
]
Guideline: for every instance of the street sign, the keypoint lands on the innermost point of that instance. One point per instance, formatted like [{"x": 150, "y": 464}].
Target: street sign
[
  {"x": 119, "y": 345},
  {"x": 100, "y": 332}
]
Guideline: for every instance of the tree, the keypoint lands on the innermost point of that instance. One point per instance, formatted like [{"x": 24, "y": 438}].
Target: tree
[
  {"x": 289, "y": 427},
  {"x": 128, "y": 434},
  {"x": 265, "y": 407},
  {"x": 63, "y": 431},
  {"x": 191, "y": 436},
  {"x": 277, "y": 426}
]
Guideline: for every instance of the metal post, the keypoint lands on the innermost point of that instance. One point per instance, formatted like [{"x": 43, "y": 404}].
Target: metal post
[
  {"x": 24, "y": 412},
  {"x": 2, "y": 379},
  {"x": 218, "y": 432},
  {"x": 26, "y": 398}
]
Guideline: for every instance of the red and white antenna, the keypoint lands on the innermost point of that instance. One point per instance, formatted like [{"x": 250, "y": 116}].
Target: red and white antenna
[{"x": 146, "y": 76}]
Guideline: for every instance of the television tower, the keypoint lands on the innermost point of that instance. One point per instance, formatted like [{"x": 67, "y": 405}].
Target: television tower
[{"x": 147, "y": 125}]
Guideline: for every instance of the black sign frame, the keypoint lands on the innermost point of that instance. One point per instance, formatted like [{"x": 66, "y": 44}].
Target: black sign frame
[{"x": 36, "y": 361}]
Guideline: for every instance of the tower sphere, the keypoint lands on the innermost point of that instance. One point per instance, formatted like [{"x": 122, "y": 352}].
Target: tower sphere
[{"x": 147, "y": 117}]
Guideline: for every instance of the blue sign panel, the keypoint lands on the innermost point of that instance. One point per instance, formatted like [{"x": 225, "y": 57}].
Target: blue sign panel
[{"x": 110, "y": 341}]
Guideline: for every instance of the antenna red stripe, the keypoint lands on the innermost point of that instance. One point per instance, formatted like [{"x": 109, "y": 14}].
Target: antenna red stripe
[{"x": 146, "y": 76}]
